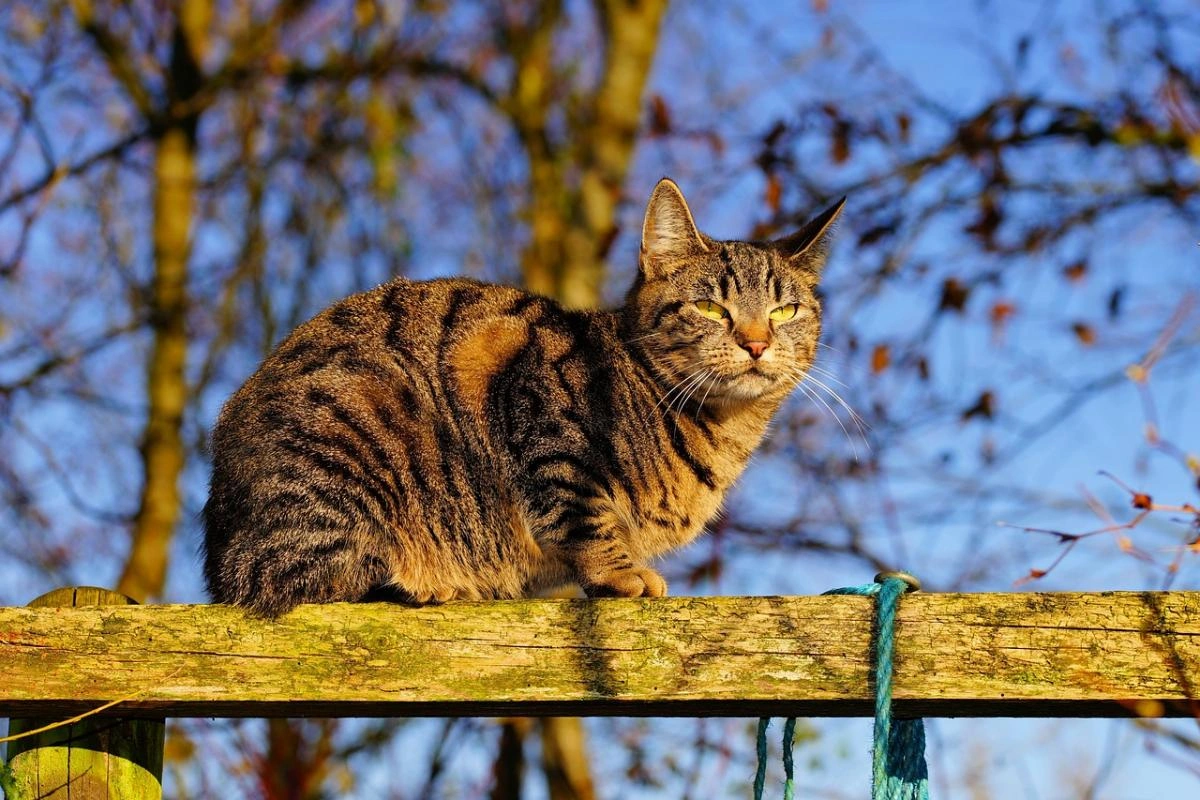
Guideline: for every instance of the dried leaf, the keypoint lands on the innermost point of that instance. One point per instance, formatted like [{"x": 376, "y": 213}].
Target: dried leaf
[
  {"x": 1114, "y": 302},
  {"x": 1001, "y": 312},
  {"x": 660, "y": 116},
  {"x": 1034, "y": 574},
  {"x": 178, "y": 746},
  {"x": 1075, "y": 271},
  {"x": 772, "y": 136},
  {"x": 881, "y": 358},
  {"x": 761, "y": 230},
  {"x": 984, "y": 407},
  {"x": 1151, "y": 709},
  {"x": 708, "y": 570},
  {"x": 954, "y": 295},
  {"x": 876, "y": 232},
  {"x": 1085, "y": 333},
  {"x": 774, "y": 191},
  {"x": 839, "y": 149},
  {"x": 605, "y": 242},
  {"x": 988, "y": 222}
]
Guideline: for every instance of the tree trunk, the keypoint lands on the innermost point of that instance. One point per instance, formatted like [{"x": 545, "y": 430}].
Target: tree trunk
[
  {"x": 565, "y": 760},
  {"x": 166, "y": 388},
  {"x": 573, "y": 223},
  {"x": 162, "y": 447}
]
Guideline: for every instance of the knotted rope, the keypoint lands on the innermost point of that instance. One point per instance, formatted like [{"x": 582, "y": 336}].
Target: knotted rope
[{"x": 898, "y": 753}]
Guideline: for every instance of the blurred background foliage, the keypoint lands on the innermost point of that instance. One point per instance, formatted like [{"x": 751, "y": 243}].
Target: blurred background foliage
[{"x": 182, "y": 183}]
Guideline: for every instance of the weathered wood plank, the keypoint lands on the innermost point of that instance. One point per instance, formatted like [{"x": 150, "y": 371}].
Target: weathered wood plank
[
  {"x": 1110, "y": 654},
  {"x": 95, "y": 758}
]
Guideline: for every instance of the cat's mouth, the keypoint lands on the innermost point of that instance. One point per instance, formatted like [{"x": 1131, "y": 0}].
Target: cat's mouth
[{"x": 751, "y": 383}]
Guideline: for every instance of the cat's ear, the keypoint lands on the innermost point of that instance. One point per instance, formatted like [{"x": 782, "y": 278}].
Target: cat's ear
[
  {"x": 807, "y": 247},
  {"x": 669, "y": 233}
]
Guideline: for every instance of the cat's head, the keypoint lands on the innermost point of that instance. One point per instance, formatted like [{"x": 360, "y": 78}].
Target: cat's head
[{"x": 725, "y": 321}]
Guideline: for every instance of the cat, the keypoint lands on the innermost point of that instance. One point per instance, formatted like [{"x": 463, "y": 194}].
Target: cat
[{"x": 451, "y": 439}]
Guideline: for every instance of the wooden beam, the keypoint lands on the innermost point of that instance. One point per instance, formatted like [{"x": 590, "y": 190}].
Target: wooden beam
[
  {"x": 94, "y": 758},
  {"x": 1045, "y": 655}
]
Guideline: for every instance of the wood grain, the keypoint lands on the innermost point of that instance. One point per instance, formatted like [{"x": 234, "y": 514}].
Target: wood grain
[
  {"x": 1046, "y": 655},
  {"x": 101, "y": 758}
]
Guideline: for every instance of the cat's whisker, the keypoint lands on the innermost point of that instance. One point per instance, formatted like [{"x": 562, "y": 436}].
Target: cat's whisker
[
  {"x": 708, "y": 373},
  {"x": 827, "y": 374},
  {"x": 859, "y": 423},
  {"x": 678, "y": 387},
  {"x": 703, "y": 399},
  {"x": 688, "y": 385},
  {"x": 807, "y": 381},
  {"x": 812, "y": 394},
  {"x": 646, "y": 336},
  {"x": 854, "y": 415},
  {"x": 692, "y": 387},
  {"x": 694, "y": 381},
  {"x": 675, "y": 387},
  {"x": 691, "y": 393}
]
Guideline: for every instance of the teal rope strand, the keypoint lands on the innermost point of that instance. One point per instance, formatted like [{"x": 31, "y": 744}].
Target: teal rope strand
[
  {"x": 789, "y": 736},
  {"x": 898, "y": 768},
  {"x": 760, "y": 777},
  {"x": 898, "y": 753}
]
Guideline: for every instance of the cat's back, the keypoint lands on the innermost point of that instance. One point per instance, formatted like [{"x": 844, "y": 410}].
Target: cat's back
[
  {"x": 395, "y": 335},
  {"x": 403, "y": 322}
]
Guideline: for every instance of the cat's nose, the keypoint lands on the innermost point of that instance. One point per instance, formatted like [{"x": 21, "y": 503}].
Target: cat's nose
[{"x": 755, "y": 348}]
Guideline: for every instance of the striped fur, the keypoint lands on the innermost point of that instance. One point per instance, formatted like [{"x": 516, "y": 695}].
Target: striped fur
[{"x": 456, "y": 440}]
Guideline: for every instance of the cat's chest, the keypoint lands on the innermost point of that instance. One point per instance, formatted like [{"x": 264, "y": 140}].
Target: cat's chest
[
  {"x": 676, "y": 504},
  {"x": 663, "y": 523},
  {"x": 689, "y": 486}
]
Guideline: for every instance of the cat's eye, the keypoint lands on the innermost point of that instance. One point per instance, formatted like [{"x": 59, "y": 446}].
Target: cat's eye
[
  {"x": 712, "y": 310},
  {"x": 784, "y": 313}
]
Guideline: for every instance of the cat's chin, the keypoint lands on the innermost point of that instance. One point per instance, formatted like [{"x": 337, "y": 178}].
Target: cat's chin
[{"x": 749, "y": 387}]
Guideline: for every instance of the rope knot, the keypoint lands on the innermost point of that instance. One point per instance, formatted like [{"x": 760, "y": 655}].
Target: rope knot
[{"x": 898, "y": 753}]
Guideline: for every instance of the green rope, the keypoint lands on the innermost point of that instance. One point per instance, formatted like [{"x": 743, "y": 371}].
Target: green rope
[
  {"x": 898, "y": 753},
  {"x": 760, "y": 777},
  {"x": 789, "y": 736}
]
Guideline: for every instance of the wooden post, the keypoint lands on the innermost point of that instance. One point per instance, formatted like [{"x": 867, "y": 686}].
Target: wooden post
[{"x": 99, "y": 758}]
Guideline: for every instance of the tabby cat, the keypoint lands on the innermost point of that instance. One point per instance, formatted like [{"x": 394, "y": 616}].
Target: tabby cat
[{"x": 451, "y": 439}]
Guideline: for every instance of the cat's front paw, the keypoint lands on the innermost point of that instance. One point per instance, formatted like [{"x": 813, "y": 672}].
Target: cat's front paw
[{"x": 633, "y": 582}]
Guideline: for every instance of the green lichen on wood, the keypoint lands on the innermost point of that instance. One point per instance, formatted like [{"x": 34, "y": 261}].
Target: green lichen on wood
[
  {"x": 1003, "y": 654},
  {"x": 98, "y": 757},
  {"x": 7, "y": 781}
]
